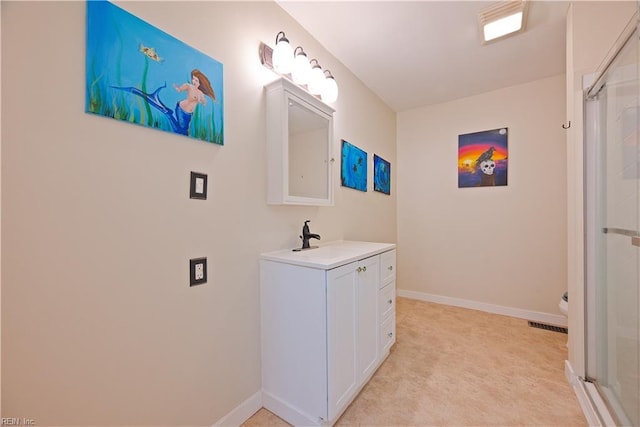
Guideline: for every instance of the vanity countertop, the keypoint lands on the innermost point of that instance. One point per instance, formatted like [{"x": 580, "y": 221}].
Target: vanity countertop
[{"x": 329, "y": 255}]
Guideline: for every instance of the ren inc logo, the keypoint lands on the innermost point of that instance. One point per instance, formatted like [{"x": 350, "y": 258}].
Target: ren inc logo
[{"x": 15, "y": 421}]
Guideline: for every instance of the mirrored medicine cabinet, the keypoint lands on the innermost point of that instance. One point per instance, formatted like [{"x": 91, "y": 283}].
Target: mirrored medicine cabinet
[{"x": 299, "y": 140}]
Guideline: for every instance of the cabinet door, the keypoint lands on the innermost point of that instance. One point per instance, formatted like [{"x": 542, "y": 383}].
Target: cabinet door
[
  {"x": 342, "y": 323},
  {"x": 299, "y": 146},
  {"x": 368, "y": 280}
]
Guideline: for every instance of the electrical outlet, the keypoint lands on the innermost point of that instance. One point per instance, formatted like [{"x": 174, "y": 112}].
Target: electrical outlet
[{"x": 197, "y": 271}]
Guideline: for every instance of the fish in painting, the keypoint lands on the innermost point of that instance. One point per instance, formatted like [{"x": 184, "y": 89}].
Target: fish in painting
[{"x": 151, "y": 53}]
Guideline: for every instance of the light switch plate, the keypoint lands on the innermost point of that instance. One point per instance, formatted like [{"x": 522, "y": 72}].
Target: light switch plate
[
  {"x": 198, "y": 188},
  {"x": 197, "y": 271}
]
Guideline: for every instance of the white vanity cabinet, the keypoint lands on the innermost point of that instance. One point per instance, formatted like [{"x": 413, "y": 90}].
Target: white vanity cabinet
[{"x": 323, "y": 315}]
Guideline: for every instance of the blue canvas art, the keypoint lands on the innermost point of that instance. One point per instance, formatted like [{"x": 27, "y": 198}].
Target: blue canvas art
[
  {"x": 139, "y": 74},
  {"x": 354, "y": 167},
  {"x": 381, "y": 175}
]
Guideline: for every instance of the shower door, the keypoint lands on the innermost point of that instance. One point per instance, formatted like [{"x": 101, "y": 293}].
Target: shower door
[{"x": 613, "y": 234}]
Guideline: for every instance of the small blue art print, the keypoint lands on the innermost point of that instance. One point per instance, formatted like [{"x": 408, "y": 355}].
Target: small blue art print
[
  {"x": 142, "y": 75},
  {"x": 353, "y": 173},
  {"x": 381, "y": 175}
]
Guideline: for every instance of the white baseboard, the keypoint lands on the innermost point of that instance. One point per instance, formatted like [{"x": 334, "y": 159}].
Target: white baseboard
[
  {"x": 593, "y": 407},
  {"x": 536, "y": 316},
  {"x": 242, "y": 412},
  {"x": 568, "y": 372},
  {"x": 287, "y": 412},
  {"x": 588, "y": 409}
]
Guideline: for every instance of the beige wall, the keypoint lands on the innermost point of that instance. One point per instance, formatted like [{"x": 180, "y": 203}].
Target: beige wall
[
  {"x": 99, "y": 325},
  {"x": 589, "y": 40},
  {"x": 504, "y": 246}
]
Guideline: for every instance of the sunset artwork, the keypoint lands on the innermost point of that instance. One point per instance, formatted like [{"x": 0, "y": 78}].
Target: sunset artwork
[{"x": 483, "y": 158}]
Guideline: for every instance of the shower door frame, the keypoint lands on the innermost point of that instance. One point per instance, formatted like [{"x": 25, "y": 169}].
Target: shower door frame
[{"x": 608, "y": 411}]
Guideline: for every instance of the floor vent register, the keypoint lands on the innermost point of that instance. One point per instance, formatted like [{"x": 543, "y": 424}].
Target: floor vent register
[{"x": 548, "y": 327}]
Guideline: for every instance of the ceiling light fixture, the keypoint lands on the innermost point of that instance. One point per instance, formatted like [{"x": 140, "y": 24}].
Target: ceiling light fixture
[
  {"x": 295, "y": 66},
  {"x": 502, "y": 19}
]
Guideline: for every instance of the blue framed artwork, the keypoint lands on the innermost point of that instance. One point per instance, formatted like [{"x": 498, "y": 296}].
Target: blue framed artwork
[
  {"x": 353, "y": 173},
  {"x": 483, "y": 158},
  {"x": 139, "y": 74},
  {"x": 381, "y": 175}
]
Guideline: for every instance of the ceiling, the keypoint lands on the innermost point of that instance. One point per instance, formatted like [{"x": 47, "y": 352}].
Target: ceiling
[{"x": 417, "y": 53}]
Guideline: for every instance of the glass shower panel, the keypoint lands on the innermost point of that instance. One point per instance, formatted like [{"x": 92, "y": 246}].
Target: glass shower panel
[{"x": 615, "y": 366}]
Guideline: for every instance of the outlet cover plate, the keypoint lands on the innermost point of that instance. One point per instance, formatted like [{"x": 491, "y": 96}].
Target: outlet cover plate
[
  {"x": 197, "y": 271},
  {"x": 198, "y": 187}
]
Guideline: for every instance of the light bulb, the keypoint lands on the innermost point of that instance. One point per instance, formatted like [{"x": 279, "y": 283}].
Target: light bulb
[
  {"x": 282, "y": 57},
  {"x": 330, "y": 89},
  {"x": 301, "y": 67},
  {"x": 316, "y": 79}
]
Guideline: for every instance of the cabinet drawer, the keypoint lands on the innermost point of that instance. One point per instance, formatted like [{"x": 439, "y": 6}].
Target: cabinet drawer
[
  {"x": 387, "y": 334},
  {"x": 387, "y": 267},
  {"x": 387, "y": 301}
]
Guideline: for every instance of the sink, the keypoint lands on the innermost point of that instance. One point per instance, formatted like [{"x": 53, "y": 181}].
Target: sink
[{"x": 329, "y": 255}]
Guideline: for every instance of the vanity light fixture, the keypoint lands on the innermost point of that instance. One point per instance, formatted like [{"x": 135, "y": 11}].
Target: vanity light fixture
[
  {"x": 282, "y": 54},
  {"x": 295, "y": 66},
  {"x": 301, "y": 67},
  {"x": 316, "y": 78},
  {"x": 330, "y": 90},
  {"x": 502, "y": 19}
]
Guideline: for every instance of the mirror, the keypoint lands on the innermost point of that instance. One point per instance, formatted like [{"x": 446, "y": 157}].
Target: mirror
[
  {"x": 308, "y": 162},
  {"x": 299, "y": 141}
]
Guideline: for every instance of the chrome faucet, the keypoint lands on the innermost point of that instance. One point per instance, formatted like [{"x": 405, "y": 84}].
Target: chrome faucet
[{"x": 306, "y": 235}]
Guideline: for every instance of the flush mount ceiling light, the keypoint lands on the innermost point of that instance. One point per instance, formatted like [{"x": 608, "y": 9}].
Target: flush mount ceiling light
[{"x": 502, "y": 19}]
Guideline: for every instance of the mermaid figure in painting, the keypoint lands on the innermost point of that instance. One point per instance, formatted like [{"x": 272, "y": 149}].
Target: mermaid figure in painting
[
  {"x": 196, "y": 90},
  {"x": 180, "y": 119}
]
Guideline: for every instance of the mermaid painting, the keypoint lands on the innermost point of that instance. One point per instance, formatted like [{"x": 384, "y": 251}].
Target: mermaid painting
[
  {"x": 141, "y": 75},
  {"x": 180, "y": 117}
]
